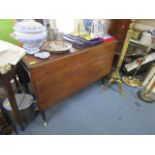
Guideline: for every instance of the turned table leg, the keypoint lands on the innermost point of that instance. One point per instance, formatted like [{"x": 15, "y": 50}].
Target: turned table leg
[{"x": 44, "y": 118}]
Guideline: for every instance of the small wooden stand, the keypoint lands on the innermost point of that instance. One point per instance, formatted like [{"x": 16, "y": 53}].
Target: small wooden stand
[{"x": 6, "y": 79}]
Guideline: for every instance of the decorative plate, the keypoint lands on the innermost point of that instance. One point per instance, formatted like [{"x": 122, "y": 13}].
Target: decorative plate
[{"x": 57, "y": 46}]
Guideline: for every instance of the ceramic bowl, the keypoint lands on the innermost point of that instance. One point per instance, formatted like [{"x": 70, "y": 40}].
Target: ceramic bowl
[
  {"x": 32, "y": 34},
  {"x": 29, "y": 26}
]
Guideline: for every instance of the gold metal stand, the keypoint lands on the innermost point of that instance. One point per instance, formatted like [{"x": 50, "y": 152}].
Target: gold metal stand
[
  {"x": 86, "y": 36},
  {"x": 115, "y": 76}
]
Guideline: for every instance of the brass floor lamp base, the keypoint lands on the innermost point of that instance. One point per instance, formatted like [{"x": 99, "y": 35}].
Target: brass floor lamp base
[
  {"x": 145, "y": 96},
  {"x": 131, "y": 81},
  {"x": 115, "y": 78}
]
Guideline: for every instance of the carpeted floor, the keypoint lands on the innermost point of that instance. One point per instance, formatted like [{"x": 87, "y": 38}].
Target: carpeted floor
[{"x": 93, "y": 112}]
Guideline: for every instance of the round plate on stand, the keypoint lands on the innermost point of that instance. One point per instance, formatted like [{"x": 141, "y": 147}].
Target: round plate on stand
[{"x": 57, "y": 47}]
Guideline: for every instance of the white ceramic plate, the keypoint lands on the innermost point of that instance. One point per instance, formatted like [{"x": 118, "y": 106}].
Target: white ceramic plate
[
  {"x": 32, "y": 50},
  {"x": 42, "y": 55}
]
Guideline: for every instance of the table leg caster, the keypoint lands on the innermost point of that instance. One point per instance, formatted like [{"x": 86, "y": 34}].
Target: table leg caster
[
  {"x": 44, "y": 124},
  {"x": 44, "y": 118},
  {"x": 103, "y": 88},
  {"x": 22, "y": 128}
]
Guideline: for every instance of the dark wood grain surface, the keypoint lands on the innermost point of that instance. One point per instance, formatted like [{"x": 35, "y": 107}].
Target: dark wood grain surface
[
  {"x": 119, "y": 28},
  {"x": 65, "y": 74}
]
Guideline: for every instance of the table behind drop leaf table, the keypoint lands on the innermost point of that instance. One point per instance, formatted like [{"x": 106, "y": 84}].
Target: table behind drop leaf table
[
  {"x": 6, "y": 83},
  {"x": 63, "y": 75}
]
